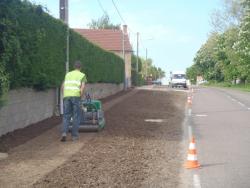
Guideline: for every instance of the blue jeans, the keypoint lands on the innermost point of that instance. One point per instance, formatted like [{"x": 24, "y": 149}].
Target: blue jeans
[{"x": 71, "y": 109}]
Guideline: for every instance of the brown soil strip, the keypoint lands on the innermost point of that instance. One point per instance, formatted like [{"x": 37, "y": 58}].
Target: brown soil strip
[
  {"x": 20, "y": 136},
  {"x": 129, "y": 152}
]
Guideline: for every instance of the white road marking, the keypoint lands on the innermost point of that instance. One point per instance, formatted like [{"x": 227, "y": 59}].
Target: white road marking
[
  {"x": 241, "y": 103},
  {"x": 190, "y": 132},
  {"x": 196, "y": 181},
  {"x": 185, "y": 91},
  {"x": 233, "y": 99},
  {"x": 192, "y": 157},
  {"x": 196, "y": 178},
  {"x": 154, "y": 120},
  {"x": 201, "y": 115},
  {"x": 248, "y": 108}
]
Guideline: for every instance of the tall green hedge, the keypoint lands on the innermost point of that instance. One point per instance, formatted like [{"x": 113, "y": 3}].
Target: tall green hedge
[
  {"x": 33, "y": 45},
  {"x": 136, "y": 77}
]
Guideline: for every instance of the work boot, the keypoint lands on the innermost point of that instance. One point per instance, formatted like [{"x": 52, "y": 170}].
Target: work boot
[{"x": 63, "y": 139}]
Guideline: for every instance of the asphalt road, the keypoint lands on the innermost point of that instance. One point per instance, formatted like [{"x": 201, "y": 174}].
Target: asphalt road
[{"x": 220, "y": 122}]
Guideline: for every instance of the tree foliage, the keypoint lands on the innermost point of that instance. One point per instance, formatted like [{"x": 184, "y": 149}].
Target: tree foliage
[
  {"x": 150, "y": 70},
  {"x": 145, "y": 69},
  {"x": 229, "y": 15},
  {"x": 103, "y": 23},
  {"x": 226, "y": 55},
  {"x": 242, "y": 45}
]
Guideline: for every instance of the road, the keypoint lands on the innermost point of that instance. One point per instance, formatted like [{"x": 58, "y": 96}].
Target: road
[
  {"x": 220, "y": 122},
  {"x": 144, "y": 145}
]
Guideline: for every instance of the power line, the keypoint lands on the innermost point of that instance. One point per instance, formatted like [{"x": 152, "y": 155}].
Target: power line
[
  {"x": 114, "y": 4},
  {"x": 142, "y": 44},
  {"x": 124, "y": 22},
  {"x": 122, "y": 19},
  {"x": 100, "y": 5},
  {"x": 118, "y": 12}
]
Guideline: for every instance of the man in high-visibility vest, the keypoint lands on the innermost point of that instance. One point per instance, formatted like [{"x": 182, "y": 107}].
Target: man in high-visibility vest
[{"x": 72, "y": 89}]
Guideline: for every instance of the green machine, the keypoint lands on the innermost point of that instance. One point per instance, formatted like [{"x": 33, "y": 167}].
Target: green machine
[{"x": 91, "y": 116}]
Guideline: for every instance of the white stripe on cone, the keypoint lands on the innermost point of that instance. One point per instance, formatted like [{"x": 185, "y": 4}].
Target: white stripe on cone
[
  {"x": 192, "y": 157},
  {"x": 192, "y": 146}
]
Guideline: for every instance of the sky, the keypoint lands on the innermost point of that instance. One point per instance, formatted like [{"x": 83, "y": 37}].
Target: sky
[{"x": 172, "y": 31}]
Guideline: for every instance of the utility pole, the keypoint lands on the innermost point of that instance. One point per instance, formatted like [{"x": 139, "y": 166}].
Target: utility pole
[
  {"x": 137, "y": 53},
  {"x": 64, "y": 15},
  {"x": 146, "y": 63}
]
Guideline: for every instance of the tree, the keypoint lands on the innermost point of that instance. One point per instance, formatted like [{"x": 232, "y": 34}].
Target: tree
[
  {"x": 192, "y": 73},
  {"x": 137, "y": 78},
  {"x": 242, "y": 46},
  {"x": 226, "y": 54},
  {"x": 230, "y": 65},
  {"x": 103, "y": 23},
  {"x": 207, "y": 60},
  {"x": 156, "y": 73},
  {"x": 229, "y": 15},
  {"x": 161, "y": 73}
]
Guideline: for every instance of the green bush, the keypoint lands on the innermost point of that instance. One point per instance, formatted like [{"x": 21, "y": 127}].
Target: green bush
[
  {"x": 4, "y": 85},
  {"x": 33, "y": 45},
  {"x": 136, "y": 77}
]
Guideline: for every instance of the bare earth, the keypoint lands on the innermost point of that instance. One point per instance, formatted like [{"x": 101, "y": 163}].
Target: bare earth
[{"x": 129, "y": 152}]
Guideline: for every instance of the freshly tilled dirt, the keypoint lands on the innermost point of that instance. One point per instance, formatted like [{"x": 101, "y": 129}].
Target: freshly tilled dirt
[
  {"x": 21, "y": 136},
  {"x": 129, "y": 152}
]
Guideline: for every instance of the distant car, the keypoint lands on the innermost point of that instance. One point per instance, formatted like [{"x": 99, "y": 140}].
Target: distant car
[{"x": 156, "y": 82}]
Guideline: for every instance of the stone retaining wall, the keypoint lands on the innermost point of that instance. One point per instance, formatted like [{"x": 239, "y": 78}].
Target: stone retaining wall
[{"x": 26, "y": 106}]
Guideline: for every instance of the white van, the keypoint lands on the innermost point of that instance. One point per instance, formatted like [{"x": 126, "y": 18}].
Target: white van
[{"x": 178, "y": 79}]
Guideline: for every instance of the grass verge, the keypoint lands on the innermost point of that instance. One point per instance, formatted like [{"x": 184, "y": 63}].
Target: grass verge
[{"x": 241, "y": 87}]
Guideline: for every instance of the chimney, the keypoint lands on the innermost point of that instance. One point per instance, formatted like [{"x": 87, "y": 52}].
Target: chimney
[{"x": 125, "y": 28}]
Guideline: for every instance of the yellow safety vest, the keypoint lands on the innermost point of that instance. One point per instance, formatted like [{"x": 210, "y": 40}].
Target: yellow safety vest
[{"x": 72, "y": 83}]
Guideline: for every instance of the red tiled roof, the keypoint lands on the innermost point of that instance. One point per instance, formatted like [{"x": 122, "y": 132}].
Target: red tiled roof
[{"x": 108, "y": 39}]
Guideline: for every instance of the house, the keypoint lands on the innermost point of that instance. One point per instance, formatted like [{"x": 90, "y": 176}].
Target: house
[{"x": 112, "y": 40}]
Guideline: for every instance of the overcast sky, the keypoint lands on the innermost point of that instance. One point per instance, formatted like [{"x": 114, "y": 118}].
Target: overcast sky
[{"x": 171, "y": 30}]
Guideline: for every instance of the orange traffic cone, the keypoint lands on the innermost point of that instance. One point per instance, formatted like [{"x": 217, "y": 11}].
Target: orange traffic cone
[
  {"x": 189, "y": 100},
  {"x": 192, "y": 161}
]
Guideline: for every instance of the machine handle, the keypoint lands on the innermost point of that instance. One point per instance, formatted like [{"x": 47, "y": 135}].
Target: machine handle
[{"x": 88, "y": 98}]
